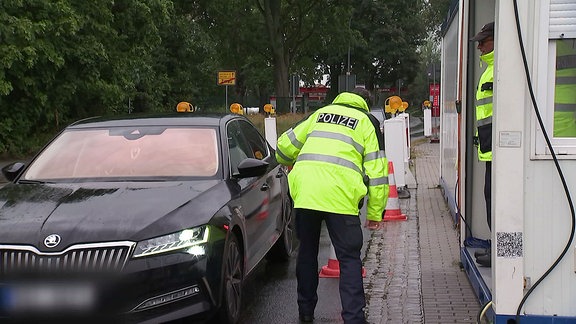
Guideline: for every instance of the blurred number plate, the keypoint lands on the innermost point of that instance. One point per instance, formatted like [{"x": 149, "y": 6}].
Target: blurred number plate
[{"x": 47, "y": 297}]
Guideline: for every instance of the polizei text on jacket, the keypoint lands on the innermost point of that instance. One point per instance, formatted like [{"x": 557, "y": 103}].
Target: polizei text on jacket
[{"x": 337, "y": 120}]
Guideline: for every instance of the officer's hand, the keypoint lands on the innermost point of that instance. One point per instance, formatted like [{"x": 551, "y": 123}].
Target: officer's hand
[{"x": 373, "y": 225}]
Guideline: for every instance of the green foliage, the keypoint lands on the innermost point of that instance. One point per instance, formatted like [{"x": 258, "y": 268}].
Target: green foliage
[
  {"x": 64, "y": 60},
  {"x": 295, "y": 30},
  {"x": 434, "y": 13},
  {"x": 392, "y": 43}
]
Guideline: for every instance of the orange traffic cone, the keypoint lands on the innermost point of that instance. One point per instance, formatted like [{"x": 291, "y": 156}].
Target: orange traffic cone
[
  {"x": 392, "y": 211},
  {"x": 332, "y": 269}
]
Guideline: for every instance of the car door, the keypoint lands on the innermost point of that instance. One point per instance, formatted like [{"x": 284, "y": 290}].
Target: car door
[{"x": 255, "y": 199}]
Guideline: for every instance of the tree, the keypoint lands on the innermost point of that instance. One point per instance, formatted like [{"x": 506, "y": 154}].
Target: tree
[
  {"x": 429, "y": 60},
  {"x": 433, "y": 14},
  {"x": 187, "y": 56},
  {"x": 33, "y": 50},
  {"x": 236, "y": 26},
  {"x": 326, "y": 52},
  {"x": 393, "y": 34},
  {"x": 65, "y": 60},
  {"x": 289, "y": 26}
]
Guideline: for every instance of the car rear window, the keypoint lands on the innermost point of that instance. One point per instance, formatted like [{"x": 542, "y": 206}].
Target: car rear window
[{"x": 125, "y": 152}]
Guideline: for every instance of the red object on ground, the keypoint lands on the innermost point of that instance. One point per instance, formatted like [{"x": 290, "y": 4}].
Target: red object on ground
[
  {"x": 332, "y": 269},
  {"x": 392, "y": 211}
]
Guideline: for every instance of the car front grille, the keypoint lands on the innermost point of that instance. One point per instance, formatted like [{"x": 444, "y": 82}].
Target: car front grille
[{"x": 97, "y": 257}]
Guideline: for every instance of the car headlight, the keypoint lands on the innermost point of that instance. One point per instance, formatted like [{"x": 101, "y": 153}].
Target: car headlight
[{"x": 191, "y": 240}]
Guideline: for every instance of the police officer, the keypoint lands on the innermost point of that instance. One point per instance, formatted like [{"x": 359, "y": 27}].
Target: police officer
[
  {"x": 565, "y": 89},
  {"x": 485, "y": 39},
  {"x": 337, "y": 160}
]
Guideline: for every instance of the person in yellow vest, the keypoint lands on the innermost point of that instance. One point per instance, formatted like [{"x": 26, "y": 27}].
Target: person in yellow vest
[
  {"x": 337, "y": 158},
  {"x": 485, "y": 39},
  {"x": 565, "y": 89}
]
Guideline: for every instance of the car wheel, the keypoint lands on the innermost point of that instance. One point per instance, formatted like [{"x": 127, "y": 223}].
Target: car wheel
[
  {"x": 283, "y": 249},
  {"x": 233, "y": 276}
]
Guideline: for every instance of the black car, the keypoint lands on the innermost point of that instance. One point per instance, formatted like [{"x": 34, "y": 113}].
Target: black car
[{"x": 142, "y": 219}]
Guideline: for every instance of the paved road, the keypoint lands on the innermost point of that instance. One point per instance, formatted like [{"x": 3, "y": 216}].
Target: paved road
[
  {"x": 413, "y": 266},
  {"x": 413, "y": 272},
  {"x": 421, "y": 264}
]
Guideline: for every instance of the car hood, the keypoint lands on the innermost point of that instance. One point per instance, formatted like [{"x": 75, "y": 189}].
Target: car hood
[{"x": 82, "y": 213}]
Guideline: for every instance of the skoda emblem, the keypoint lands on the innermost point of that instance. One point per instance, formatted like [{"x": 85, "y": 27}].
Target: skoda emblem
[{"x": 52, "y": 240}]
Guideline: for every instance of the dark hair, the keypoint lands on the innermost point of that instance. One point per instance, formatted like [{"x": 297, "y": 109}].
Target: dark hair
[{"x": 365, "y": 94}]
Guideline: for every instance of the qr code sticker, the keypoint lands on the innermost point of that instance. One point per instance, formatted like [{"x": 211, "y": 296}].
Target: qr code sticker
[{"x": 509, "y": 245}]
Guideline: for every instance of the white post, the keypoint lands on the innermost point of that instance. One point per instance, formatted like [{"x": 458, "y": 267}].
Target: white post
[
  {"x": 427, "y": 122},
  {"x": 395, "y": 142},
  {"x": 270, "y": 131},
  {"x": 406, "y": 118}
]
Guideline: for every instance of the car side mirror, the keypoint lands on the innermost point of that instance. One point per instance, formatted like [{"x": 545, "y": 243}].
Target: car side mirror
[
  {"x": 11, "y": 171},
  {"x": 252, "y": 168}
]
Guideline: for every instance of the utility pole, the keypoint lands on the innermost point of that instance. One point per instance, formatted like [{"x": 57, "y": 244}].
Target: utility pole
[
  {"x": 348, "y": 70},
  {"x": 294, "y": 93}
]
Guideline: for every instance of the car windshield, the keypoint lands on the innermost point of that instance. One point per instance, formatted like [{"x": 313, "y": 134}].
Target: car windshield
[{"x": 126, "y": 152}]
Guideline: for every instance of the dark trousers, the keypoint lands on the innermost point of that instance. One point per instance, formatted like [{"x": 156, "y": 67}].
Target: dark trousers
[
  {"x": 487, "y": 192},
  {"x": 346, "y": 234}
]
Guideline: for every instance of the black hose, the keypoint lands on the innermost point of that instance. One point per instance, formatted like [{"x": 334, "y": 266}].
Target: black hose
[
  {"x": 468, "y": 228},
  {"x": 560, "y": 174}
]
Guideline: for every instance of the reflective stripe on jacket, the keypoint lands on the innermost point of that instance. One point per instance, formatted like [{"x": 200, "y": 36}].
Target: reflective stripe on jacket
[
  {"x": 484, "y": 109},
  {"x": 565, "y": 89},
  {"x": 336, "y": 160}
]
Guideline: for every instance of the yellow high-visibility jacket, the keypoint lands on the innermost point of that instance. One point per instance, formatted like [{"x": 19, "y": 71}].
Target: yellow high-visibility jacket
[
  {"x": 484, "y": 109},
  {"x": 336, "y": 160},
  {"x": 565, "y": 89}
]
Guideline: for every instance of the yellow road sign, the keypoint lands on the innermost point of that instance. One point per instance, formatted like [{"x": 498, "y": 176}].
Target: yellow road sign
[{"x": 226, "y": 77}]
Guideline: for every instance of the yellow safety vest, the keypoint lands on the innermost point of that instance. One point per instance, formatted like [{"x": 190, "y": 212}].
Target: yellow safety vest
[
  {"x": 336, "y": 160},
  {"x": 484, "y": 109},
  {"x": 565, "y": 89}
]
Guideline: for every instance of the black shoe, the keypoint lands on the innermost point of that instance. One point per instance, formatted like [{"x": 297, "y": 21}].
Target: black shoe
[
  {"x": 306, "y": 318},
  {"x": 481, "y": 252},
  {"x": 485, "y": 260}
]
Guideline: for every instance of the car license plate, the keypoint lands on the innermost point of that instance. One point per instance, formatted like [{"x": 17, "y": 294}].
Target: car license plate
[{"x": 47, "y": 298}]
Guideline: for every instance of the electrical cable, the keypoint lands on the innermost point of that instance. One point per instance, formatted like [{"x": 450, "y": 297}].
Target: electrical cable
[
  {"x": 468, "y": 228},
  {"x": 483, "y": 311},
  {"x": 470, "y": 240},
  {"x": 556, "y": 163}
]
